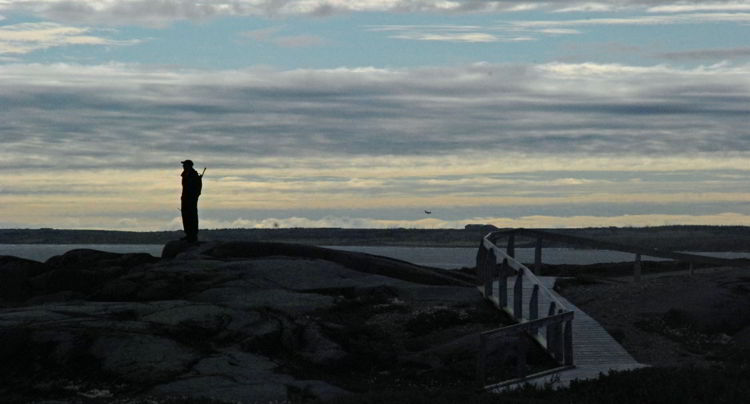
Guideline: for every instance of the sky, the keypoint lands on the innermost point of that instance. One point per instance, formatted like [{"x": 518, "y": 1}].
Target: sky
[{"x": 345, "y": 113}]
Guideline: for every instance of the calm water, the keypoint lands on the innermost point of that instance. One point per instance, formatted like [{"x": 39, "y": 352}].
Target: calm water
[
  {"x": 42, "y": 252},
  {"x": 439, "y": 257}
]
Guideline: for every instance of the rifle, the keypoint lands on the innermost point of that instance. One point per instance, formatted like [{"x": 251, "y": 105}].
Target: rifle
[{"x": 204, "y": 171}]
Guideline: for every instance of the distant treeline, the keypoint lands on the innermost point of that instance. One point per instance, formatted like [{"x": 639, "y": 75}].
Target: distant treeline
[
  {"x": 673, "y": 238},
  {"x": 677, "y": 238},
  {"x": 317, "y": 236}
]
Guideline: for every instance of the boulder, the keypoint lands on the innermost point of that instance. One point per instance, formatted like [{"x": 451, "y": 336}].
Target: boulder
[
  {"x": 116, "y": 290},
  {"x": 230, "y": 376},
  {"x": 319, "y": 349},
  {"x": 15, "y": 275},
  {"x": 142, "y": 358},
  {"x": 241, "y": 322},
  {"x": 186, "y": 250},
  {"x": 88, "y": 258},
  {"x": 254, "y": 299},
  {"x": 360, "y": 262}
]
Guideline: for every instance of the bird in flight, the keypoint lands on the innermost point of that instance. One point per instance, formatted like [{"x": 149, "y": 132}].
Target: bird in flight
[{"x": 428, "y": 212}]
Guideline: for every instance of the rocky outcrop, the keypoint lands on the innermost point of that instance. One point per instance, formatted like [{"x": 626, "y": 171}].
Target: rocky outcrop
[
  {"x": 15, "y": 277},
  {"x": 237, "y": 322}
]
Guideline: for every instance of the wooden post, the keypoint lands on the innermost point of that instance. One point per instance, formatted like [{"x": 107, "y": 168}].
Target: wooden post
[
  {"x": 534, "y": 303},
  {"x": 521, "y": 359},
  {"x": 490, "y": 264},
  {"x": 502, "y": 285},
  {"x": 557, "y": 346},
  {"x": 511, "y": 247},
  {"x": 482, "y": 361},
  {"x": 538, "y": 256},
  {"x": 637, "y": 269},
  {"x": 534, "y": 308},
  {"x": 481, "y": 258},
  {"x": 551, "y": 329},
  {"x": 518, "y": 297},
  {"x": 568, "y": 342}
]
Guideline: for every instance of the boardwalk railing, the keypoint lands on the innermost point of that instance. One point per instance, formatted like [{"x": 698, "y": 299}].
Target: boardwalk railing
[
  {"x": 542, "y": 236},
  {"x": 552, "y": 330},
  {"x": 540, "y": 316}
]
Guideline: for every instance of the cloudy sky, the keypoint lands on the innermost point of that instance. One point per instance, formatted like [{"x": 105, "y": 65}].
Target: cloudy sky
[{"x": 351, "y": 113}]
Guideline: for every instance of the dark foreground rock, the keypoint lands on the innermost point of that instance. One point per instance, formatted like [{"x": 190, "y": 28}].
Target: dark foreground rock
[{"x": 236, "y": 322}]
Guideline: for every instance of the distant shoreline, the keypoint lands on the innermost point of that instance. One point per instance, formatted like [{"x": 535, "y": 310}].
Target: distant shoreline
[{"x": 676, "y": 238}]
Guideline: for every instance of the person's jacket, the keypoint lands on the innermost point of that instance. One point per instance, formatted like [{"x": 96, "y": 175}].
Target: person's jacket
[{"x": 191, "y": 184}]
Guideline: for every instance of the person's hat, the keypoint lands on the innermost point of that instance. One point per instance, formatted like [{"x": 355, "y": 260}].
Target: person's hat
[{"x": 187, "y": 162}]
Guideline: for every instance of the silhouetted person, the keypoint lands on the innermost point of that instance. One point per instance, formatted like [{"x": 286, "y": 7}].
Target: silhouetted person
[{"x": 191, "y": 190}]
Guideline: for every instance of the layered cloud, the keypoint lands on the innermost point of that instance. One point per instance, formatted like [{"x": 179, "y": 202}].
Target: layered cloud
[
  {"x": 275, "y": 36},
  {"x": 95, "y": 116},
  {"x": 160, "y": 12},
  {"x": 708, "y": 54},
  {"x": 527, "y": 30},
  {"x": 448, "y": 33},
  {"x": 29, "y": 37},
  {"x": 549, "y": 144}
]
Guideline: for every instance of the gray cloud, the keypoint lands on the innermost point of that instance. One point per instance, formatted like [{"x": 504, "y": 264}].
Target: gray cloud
[
  {"x": 160, "y": 12},
  {"x": 99, "y": 116},
  {"x": 708, "y": 54},
  {"x": 272, "y": 35},
  {"x": 529, "y": 30},
  {"x": 28, "y": 37}
]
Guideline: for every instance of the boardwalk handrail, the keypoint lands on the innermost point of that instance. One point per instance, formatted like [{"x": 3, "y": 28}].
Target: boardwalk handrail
[
  {"x": 609, "y": 245},
  {"x": 559, "y": 345},
  {"x": 557, "y": 322},
  {"x": 513, "y": 263}
]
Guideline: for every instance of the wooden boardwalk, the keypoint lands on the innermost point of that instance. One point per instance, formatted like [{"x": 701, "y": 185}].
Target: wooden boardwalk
[{"x": 595, "y": 352}]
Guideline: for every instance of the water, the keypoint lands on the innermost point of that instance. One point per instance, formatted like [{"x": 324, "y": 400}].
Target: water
[
  {"x": 443, "y": 257},
  {"x": 439, "y": 257},
  {"x": 42, "y": 252}
]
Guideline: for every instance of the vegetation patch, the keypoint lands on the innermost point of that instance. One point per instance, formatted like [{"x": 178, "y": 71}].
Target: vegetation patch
[
  {"x": 687, "y": 335},
  {"x": 397, "y": 345},
  {"x": 647, "y": 385}
]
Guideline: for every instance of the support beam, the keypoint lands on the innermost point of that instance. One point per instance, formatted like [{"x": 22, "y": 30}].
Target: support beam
[
  {"x": 490, "y": 264},
  {"x": 557, "y": 342},
  {"x": 534, "y": 303},
  {"x": 538, "y": 257},
  {"x": 551, "y": 329},
  {"x": 521, "y": 359},
  {"x": 534, "y": 308},
  {"x": 480, "y": 265},
  {"x": 511, "y": 247},
  {"x": 482, "y": 361},
  {"x": 502, "y": 289},
  {"x": 637, "y": 269},
  {"x": 568, "y": 342},
  {"x": 518, "y": 297}
]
